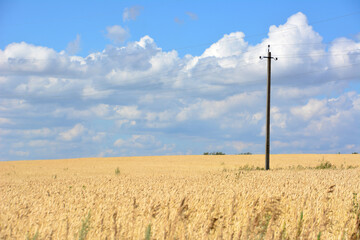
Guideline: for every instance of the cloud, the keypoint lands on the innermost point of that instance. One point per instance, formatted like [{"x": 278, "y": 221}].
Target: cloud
[
  {"x": 91, "y": 92},
  {"x": 138, "y": 141},
  {"x": 132, "y": 13},
  {"x": 241, "y": 147},
  {"x": 129, "y": 100},
  {"x": 230, "y": 45},
  {"x": 99, "y": 136},
  {"x": 313, "y": 108},
  {"x": 279, "y": 119},
  {"x": 74, "y": 46},
  {"x": 39, "y": 143},
  {"x": 41, "y": 132},
  {"x": 192, "y": 15},
  {"x": 25, "y": 57},
  {"x": 4, "y": 121},
  {"x": 119, "y": 143},
  {"x": 28, "y": 60},
  {"x": 205, "y": 109},
  {"x": 125, "y": 122},
  {"x": 178, "y": 20},
  {"x": 117, "y": 34},
  {"x": 127, "y": 112},
  {"x": 73, "y": 133},
  {"x": 19, "y": 153},
  {"x": 107, "y": 153},
  {"x": 345, "y": 54}
]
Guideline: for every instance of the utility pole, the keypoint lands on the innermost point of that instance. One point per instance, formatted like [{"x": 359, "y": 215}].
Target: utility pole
[{"x": 267, "y": 146}]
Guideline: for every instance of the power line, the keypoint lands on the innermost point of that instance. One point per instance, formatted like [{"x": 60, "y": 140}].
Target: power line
[
  {"x": 195, "y": 75},
  {"x": 144, "y": 87},
  {"x": 261, "y": 34},
  {"x": 252, "y": 49},
  {"x": 335, "y": 17},
  {"x": 322, "y": 70},
  {"x": 200, "y": 61},
  {"x": 318, "y": 55},
  {"x": 283, "y": 30}
]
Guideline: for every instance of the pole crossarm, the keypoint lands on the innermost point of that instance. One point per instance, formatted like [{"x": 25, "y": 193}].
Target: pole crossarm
[{"x": 267, "y": 144}]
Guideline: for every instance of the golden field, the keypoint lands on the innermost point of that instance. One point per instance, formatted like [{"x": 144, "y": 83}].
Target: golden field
[{"x": 181, "y": 197}]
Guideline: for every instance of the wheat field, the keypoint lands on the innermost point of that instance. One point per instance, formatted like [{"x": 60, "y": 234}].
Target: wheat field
[{"x": 182, "y": 197}]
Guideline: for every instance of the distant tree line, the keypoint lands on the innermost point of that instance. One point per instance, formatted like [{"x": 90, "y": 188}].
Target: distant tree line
[
  {"x": 245, "y": 153},
  {"x": 221, "y": 153},
  {"x": 214, "y": 153}
]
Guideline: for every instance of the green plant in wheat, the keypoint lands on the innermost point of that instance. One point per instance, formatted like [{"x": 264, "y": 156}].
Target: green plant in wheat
[
  {"x": 300, "y": 225},
  {"x": 85, "y": 227},
  {"x": 148, "y": 232},
  {"x": 356, "y": 210},
  {"x": 117, "y": 171},
  {"x": 35, "y": 237},
  {"x": 283, "y": 234},
  {"x": 318, "y": 236},
  {"x": 247, "y": 167},
  {"x": 264, "y": 226},
  {"x": 325, "y": 165}
]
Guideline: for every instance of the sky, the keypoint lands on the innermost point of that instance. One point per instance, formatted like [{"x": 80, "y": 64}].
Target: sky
[{"x": 139, "y": 78}]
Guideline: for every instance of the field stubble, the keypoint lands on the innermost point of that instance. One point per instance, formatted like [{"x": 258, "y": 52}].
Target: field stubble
[{"x": 181, "y": 197}]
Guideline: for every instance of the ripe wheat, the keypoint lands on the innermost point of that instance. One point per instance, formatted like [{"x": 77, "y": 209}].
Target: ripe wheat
[{"x": 181, "y": 197}]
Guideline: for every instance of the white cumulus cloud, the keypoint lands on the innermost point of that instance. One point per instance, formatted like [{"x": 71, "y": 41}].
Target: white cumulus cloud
[
  {"x": 72, "y": 133},
  {"x": 74, "y": 46},
  {"x": 132, "y": 98},
  {"x": 313, "y": 108},
  {"x": 117, "y": 34},
  {"x": 230, "y": 45},
  {"x": 132, "y": 13}
]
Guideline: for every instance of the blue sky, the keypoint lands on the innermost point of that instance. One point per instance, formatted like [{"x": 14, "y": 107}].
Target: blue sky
[
  {"x": 130, "y": 78},
  {"x": 55, "y": 23}
]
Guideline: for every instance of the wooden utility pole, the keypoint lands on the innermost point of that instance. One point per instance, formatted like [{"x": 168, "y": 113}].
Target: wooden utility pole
[{"x": 267, "y": 144}]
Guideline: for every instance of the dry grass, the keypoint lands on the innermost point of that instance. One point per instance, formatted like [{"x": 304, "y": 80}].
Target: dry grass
[{"x": 181, "y": 197}]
